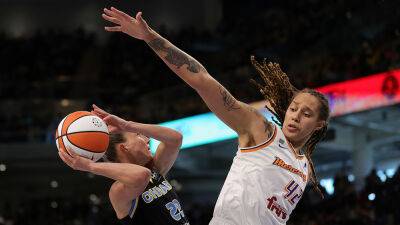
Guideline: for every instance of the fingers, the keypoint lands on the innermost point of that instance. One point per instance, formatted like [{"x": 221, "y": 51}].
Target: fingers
[
  {"x": 139, "y": 17},
  {"x": 71, "y": 152},
  {"x": 113, "y": 29},
  {"x": 72, "y": 159},
  {"x": 120, "y": 13},
  {"x": 111, "y": 19},
  {"x": 112, "y": 129},
  {"x": 99, "y": 112},
  {"x": 94, "y": 113},
  {"x": 95, "y": 107},
  {"x": 65, "y": 157},
  {"x": 107, "y": 119},
  {"x": 110, "y": 13},
  {"x": 110, "y": 120},
  {"x": 114, "y": 18}
]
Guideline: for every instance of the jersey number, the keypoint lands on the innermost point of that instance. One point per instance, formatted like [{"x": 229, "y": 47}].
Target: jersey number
[
  {"x": 293, "y": 192},
  {"x": 175, "y": 210}
]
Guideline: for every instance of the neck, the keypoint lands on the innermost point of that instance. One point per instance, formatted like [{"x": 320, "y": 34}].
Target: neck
[
  {"x": 143, "y": 161},
  {"x": 297, "y": 146}
]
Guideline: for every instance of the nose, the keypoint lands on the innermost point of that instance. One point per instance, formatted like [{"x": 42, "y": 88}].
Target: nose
[{"x": 296, "y": 116}]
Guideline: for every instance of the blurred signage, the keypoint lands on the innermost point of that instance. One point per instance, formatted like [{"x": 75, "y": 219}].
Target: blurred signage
[
  {"x": 201, "y": 129},
  {"x": 365, "y": 93}
]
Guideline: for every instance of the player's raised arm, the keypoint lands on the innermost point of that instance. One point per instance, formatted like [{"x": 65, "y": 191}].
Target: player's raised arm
[
  {"x": 239, "y": 116},
  {"x": 170, "y": 140}
]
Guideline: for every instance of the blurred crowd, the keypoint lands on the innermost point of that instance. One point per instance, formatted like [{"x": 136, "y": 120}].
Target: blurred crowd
[
  {"x": 345, "y": 206},
  {"x": 46, "y": 75},
  {"x": 375, "y": 204}
]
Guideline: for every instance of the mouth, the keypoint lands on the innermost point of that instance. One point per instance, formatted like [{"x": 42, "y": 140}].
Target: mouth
[{"x": 292, "y": 128}]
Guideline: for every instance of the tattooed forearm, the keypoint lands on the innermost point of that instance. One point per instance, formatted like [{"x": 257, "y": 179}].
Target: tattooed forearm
[
  {"x": 175, "y": 56},
  {"x": 157, "y": 44},
  {"x": 227, "y": 98}
]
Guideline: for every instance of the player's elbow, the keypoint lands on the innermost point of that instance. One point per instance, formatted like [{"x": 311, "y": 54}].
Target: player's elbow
[
  {"x": 174, "y": 140},
  {"x": 177, "y": 139},
  {"x": 138, "y": 178},
  {"x": 200, "y": 82},
  {"x": 143, "y": 177}
]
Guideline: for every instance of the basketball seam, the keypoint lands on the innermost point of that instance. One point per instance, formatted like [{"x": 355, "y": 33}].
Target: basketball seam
[
  {"x": 66, "y": 129},
  {"x": 91, "y": 131},
  {"x": 81, "y": 147},
  {"x": 62, "y": 142}
]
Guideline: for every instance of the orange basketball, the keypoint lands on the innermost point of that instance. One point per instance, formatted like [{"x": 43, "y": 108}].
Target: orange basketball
[{"x": 84, "y": 133}]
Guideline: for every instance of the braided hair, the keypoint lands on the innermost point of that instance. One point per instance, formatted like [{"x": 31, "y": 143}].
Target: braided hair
[{"x": 279, "y": 92}]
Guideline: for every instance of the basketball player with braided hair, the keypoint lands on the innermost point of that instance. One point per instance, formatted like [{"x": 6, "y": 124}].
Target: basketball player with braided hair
[
  {"x": 140, "y": 193},
  {"x": 273, "y": 163}
]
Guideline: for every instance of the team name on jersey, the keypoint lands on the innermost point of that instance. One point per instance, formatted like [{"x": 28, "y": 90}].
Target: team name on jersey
[
  {"x": 279, "y": 162},
  {"x": 156, "y": 192}
]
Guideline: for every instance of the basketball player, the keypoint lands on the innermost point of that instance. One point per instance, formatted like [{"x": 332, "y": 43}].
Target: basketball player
[
  {"x": 273, "y": 163},
  {"x": 140, "y": 193}
]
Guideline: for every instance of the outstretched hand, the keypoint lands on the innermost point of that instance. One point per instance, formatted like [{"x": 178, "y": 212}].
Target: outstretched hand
[
  {"x": 133, "y": 26},
  {"x": 114, "y": 123}
]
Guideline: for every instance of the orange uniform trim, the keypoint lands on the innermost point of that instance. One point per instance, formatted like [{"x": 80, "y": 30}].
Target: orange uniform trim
[{"x": 261, "y": 146}]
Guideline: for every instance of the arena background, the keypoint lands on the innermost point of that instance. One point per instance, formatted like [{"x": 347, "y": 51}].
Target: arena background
[{"x": 56, "y": 58}]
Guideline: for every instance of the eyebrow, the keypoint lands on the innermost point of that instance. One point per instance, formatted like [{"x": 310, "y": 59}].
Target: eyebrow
[{"x": 307, "y": 108}]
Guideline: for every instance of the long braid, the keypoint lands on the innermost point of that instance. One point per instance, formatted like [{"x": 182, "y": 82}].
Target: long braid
[
  {"x": 310, "y": 147},
  {"x": 277, "y": 88},
  {"x": 318, "y": 135},
  {"x": 279, "y": 92}
]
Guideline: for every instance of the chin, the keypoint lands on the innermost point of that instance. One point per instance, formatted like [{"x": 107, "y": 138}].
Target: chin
[
  {"x": 287, "y": 133},
  {"x": 290, "y": 136}
]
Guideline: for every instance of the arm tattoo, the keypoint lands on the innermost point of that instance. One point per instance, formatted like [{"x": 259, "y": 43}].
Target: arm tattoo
[
  {"x": 175, "y": 56},
  {"x": 229, "y": 101}
]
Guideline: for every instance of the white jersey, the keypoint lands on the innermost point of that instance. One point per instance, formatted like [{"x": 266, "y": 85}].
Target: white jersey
[{"x": 264, "y": 184}]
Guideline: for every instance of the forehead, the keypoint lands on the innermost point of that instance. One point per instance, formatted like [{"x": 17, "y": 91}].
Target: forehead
[
  {"x": 306, "y": 100},
  {"x": 130, "y": 136}
]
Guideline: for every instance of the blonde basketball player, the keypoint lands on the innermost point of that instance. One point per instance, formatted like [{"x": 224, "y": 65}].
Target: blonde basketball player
[{"x": 273, "y": 164}]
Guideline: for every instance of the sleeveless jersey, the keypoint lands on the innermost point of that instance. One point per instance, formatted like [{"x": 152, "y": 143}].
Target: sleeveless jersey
[
  {"x": 264, "y": 184},
  {"x": 158, "y": 204}
]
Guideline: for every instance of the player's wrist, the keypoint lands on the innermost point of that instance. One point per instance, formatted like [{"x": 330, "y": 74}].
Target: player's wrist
[
  {"x": 130, "y": 126},
  {"x": 151, "y": 35},
  {"x": 92, "y": 167}
]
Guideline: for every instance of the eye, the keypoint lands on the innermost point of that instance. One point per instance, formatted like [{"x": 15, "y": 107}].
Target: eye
[
  {"x": 307, "y": 114},
  {"x": 292, "y": 109}
]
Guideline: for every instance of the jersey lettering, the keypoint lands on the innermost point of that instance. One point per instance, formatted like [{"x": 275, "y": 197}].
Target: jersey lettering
[{"x": 156, "y": 192}]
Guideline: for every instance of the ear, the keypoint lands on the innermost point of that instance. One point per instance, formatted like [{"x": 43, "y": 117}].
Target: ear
[{"x": 122, "y": 147}]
